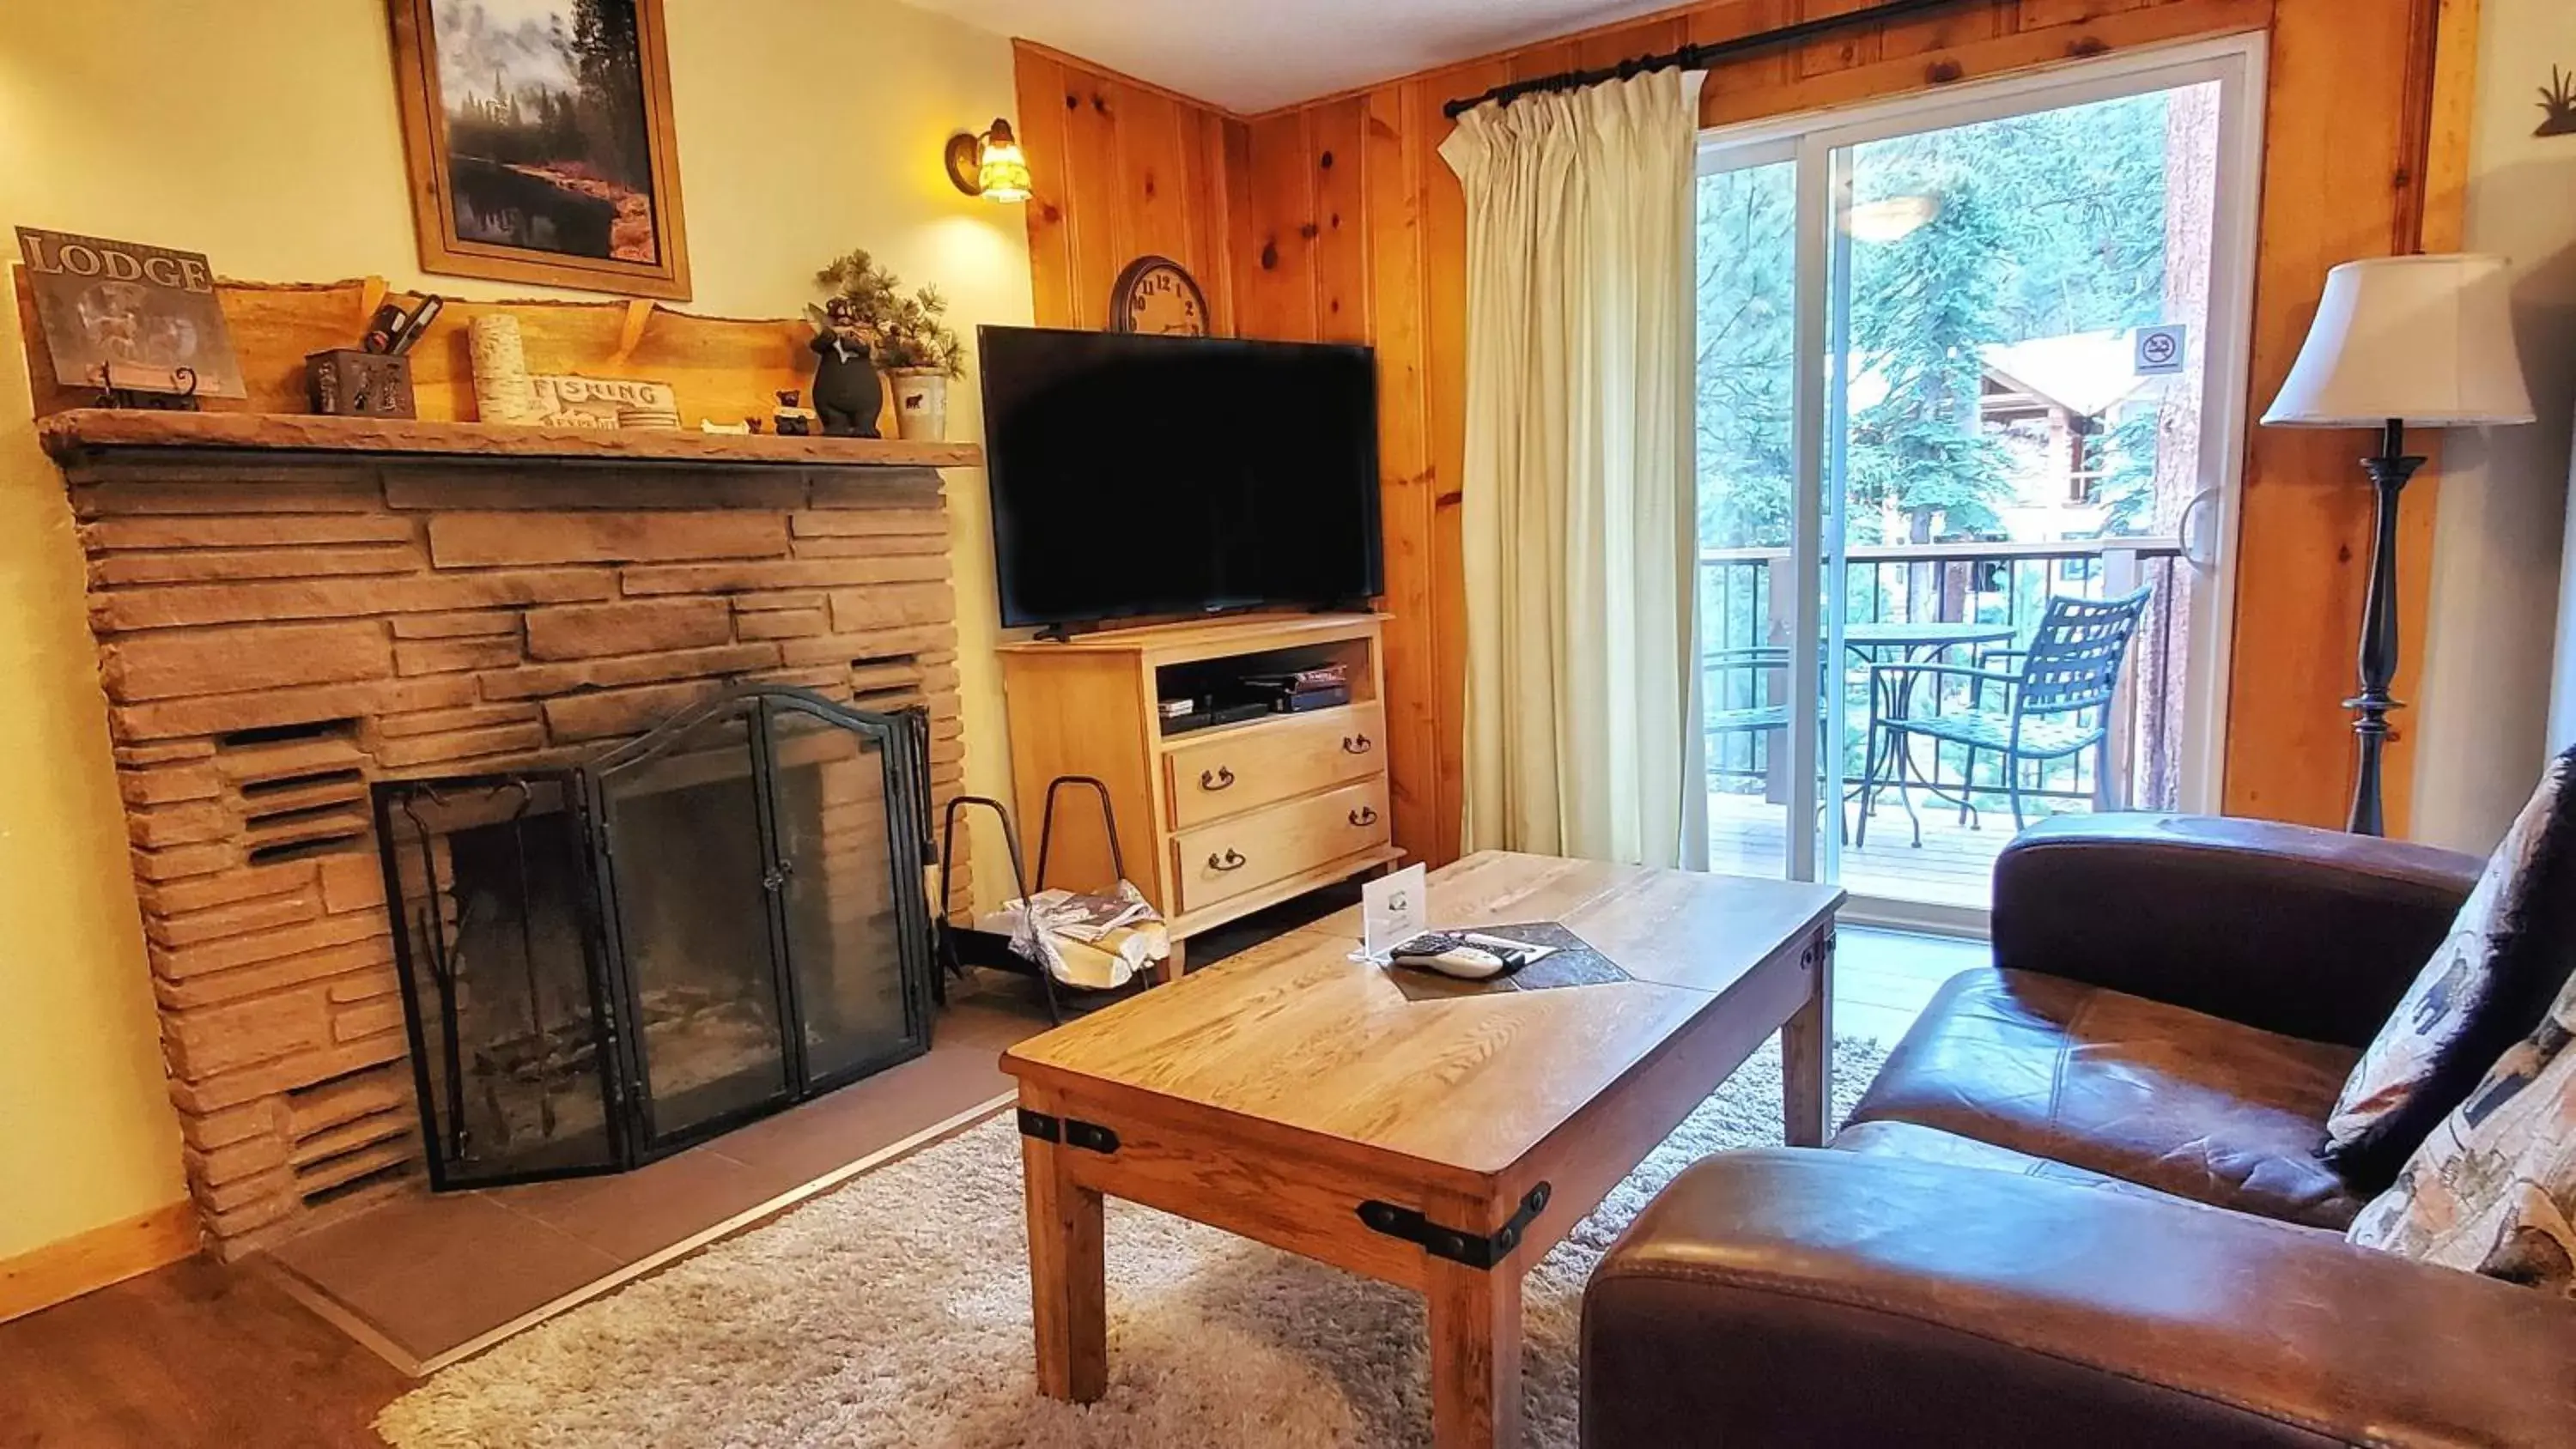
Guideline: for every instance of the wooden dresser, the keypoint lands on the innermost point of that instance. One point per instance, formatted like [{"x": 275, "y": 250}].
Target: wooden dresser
[{"x": 1213, "y": 824}]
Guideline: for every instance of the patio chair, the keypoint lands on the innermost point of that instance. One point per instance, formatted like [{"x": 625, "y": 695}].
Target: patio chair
[
  {"x": 2056, "y": 704},
  {"x": 1768, "y": 712}
]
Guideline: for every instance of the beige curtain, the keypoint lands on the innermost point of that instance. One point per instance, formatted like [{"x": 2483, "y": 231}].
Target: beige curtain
[{"x": 1582, "y": 730}]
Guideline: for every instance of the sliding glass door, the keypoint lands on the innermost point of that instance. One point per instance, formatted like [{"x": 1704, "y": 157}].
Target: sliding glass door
[
  {"x": 1748, "y": 508},
  {"x": 1970, "y": 385}
]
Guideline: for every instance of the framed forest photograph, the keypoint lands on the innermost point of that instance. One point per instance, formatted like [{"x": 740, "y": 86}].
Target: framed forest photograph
[{"x": 539, "y": 139}]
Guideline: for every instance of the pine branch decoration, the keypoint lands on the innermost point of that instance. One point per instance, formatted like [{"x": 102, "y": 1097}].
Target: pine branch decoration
[{"x": 909, "y": 332}]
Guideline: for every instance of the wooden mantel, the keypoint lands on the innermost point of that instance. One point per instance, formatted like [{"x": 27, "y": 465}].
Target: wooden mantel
[{"x": 81, "y": 434}]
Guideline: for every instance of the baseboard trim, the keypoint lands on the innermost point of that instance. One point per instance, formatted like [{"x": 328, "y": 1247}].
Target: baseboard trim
[{"x": 86, "y": 1262}]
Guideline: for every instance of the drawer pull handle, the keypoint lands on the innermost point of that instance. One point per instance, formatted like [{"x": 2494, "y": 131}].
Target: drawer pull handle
[
  {"x": 1366, "y": 815},
  {"x": 1231, "y": 860},
  {"x": 1216, "y": 779},
  {"x": 1357, "y": 744}
]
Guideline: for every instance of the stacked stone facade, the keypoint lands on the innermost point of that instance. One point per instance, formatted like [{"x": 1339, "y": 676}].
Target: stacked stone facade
[{"x": 277, "y": 631}]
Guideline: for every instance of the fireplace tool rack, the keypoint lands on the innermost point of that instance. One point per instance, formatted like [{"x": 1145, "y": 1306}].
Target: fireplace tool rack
[
  {"x": 561, "y": 830},
  {"x": 962, "y": 947}
]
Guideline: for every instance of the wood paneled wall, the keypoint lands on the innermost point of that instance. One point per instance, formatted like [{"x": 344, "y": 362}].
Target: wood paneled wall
[
  {"x": 1123, "y": 169},
  {"x": 2346, "y": 142},
  {"x": 1342, "y": 222}
]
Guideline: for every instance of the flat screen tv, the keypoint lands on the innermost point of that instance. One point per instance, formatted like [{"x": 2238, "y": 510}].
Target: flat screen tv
[{"x": 1137, "y": 475}]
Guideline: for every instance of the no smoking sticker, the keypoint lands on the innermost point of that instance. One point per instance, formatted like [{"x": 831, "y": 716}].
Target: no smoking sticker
[{"x": 2162, "y": 350}]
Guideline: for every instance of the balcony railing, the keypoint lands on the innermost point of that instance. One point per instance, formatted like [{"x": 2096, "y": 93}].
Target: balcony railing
[{"x": 1745, "y": 599}]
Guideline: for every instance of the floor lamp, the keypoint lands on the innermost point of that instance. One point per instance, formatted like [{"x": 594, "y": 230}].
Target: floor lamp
[{"x": 2402, "y": 342}]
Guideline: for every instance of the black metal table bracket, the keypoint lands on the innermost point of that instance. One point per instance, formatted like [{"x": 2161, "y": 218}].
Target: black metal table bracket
[
  {"x": 1476, "y": 1250},
  {"x": 1072, "y": 1132}
]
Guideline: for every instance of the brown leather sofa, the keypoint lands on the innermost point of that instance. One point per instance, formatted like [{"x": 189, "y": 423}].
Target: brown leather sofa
[{"x": 2082, "y": 1204}]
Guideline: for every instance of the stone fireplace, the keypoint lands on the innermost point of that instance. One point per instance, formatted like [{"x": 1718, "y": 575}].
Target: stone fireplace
[{"x": 294, "y": 612}]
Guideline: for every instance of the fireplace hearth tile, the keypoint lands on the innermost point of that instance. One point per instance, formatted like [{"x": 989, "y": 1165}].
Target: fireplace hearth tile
[
  {"x": 635, "y": 1215},
  {"x": 431, "y": 1274}
]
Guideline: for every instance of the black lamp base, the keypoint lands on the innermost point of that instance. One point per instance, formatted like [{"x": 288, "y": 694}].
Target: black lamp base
[{"x": 2390, "y": 472}]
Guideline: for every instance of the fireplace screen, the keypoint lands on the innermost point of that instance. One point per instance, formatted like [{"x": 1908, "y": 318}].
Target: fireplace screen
[{"x": 607, "y": 963}]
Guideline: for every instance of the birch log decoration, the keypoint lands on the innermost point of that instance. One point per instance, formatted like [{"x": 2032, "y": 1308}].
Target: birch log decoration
[{"x": 502, "y": 391}]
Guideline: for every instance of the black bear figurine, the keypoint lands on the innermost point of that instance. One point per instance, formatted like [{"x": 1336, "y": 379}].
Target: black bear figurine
[{"x": 847, "y": 393}]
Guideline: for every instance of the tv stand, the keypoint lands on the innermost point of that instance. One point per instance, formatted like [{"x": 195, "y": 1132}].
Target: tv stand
[{"x": 1213, "y": 824}]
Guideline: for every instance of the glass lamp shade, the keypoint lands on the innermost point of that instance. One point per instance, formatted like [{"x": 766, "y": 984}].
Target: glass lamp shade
[
  {"x": 991, "y": 165},
  {"x": 1004, "y": 172},
  {"x": 2427, "y": 341}
]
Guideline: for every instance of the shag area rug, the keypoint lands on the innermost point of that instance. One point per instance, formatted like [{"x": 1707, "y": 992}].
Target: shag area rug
[{"x": 895, "y": 1311}]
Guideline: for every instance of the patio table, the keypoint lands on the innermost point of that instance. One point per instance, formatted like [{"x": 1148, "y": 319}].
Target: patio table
[{"x": 1916, "y": 637}]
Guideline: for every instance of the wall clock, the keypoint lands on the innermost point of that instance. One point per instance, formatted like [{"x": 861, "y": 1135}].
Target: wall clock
[{"x": 1158, "y": 295}]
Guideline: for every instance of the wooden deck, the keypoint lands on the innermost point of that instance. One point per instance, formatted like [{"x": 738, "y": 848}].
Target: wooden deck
[{"x": 1953, "y": 867}]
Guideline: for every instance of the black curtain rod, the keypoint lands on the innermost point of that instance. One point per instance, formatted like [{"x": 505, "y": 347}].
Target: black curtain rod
[{"x": 1699, "y": 57}]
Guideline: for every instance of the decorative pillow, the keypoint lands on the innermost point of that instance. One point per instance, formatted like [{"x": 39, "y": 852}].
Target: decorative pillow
[
  {"x": 2487, "y": 987},
  {"x": 2494, "y": 1188}
]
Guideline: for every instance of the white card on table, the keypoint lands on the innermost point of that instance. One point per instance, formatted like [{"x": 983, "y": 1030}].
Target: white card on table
[{"x": 1392, "y": 910}]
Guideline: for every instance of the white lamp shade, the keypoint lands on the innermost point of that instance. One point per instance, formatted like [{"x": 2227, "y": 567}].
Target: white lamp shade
[{"x": 2426, "y": 340}]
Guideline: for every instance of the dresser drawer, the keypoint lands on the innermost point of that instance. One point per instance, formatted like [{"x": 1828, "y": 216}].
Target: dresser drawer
[
  {"x": 1217, "y": 862},
  {"x": 1275, "y": 760}
]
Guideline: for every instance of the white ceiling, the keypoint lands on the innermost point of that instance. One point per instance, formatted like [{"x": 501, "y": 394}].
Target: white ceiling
[{"x": 1256, "y": 55}]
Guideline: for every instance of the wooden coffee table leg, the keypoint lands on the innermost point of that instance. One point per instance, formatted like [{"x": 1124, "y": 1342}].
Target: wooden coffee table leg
[
  {"x": 1475, "y": 1355},
  {"x": 1068, "y": 1277},
  {"x": 1807, "y": 1056}
]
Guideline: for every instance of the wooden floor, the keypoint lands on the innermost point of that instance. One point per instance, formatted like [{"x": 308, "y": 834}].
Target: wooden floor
[
  {"x": 201, "y": 1356},
  {"x": 195, "y": 1356},
  {"x": 1954, "y": 866}
]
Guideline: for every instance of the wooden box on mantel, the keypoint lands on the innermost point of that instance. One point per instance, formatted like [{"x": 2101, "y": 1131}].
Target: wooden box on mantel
[
  {"x": 1213, "y": 824},
  {"x": 353, "y": 382}
]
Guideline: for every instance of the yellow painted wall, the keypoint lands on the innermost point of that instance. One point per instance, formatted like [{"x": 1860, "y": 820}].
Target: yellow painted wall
[
  {"x": 2483, "y": 715},
  {"x": 264, "y": 134}
]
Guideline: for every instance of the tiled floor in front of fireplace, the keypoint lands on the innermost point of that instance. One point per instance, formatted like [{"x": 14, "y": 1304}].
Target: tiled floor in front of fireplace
[{"x": 426, "y": 1279}]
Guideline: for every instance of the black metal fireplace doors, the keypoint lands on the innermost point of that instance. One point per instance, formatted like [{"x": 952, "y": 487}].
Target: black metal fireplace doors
[{"x": 606, "y": 962}]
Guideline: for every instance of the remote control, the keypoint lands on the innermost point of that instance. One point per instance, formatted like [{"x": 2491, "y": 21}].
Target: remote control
[{"x": 1449, "y": 956}]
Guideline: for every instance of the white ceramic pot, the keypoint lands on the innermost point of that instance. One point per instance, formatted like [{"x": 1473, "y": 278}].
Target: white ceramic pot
[{"x": 920, "y": 404}]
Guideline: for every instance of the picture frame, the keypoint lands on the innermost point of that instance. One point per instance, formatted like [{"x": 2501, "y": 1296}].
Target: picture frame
[{"x": 539, "y": 142}]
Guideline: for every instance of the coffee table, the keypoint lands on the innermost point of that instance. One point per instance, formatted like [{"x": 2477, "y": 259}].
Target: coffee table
[{"x": 1302, "y": 1099}]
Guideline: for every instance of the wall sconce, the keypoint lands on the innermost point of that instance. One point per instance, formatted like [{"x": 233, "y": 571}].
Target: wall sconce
[{"x": 991, "y": 165}]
